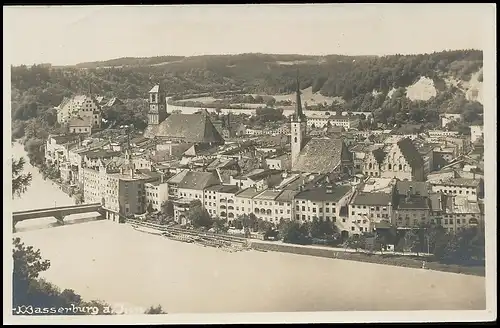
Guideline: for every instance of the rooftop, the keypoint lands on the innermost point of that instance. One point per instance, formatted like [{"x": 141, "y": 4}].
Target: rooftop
[
  {"x": 247, "y": 193},
  {"x": 333, "y": 194},
  {"x": 373, "y": 198},
  {"x": 459, "y": 182},
  {"x": 268, "y": 194}
]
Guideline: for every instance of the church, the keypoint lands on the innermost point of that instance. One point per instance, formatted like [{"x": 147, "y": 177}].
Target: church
[
  {"x": 180, "y": 128},
  {"x": 316, "y": 155}
]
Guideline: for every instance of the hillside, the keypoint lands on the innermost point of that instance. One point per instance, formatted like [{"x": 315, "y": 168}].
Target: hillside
[{"x": 397, "y": 88}]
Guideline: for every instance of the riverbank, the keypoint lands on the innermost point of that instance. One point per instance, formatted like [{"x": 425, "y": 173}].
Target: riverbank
[
  {"x": 393, "y": 259},
  {"x": 352, "y": 255}
]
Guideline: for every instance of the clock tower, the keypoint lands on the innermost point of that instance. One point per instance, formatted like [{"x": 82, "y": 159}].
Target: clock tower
[{"x": 157, "y": 106}]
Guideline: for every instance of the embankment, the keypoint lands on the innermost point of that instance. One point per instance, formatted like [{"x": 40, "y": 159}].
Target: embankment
[{"x": 387, "y": 259}]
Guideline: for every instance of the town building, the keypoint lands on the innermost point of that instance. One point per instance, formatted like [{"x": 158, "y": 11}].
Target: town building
[
  {"x": 412, "y": 205},
  {"x": 367, "y": 209},
  {"x": 476, "y": 133},
  {"x": 220, "y": 202},
  {"x": 403, "y": 161},
  {"x": 320, "y": 119},
  {"x": 180, "y": 128},
  {"x": 325, "y": 203},
  {"x": 461, "y": 213},
  {"x": 471, "y": 189},
  {"x": 84, "y": 108}
]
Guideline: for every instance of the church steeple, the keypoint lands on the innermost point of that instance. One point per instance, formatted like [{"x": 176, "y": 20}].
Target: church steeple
[
  {"x": 298, "y": 126},
  {"x": 299, "y": 114}
]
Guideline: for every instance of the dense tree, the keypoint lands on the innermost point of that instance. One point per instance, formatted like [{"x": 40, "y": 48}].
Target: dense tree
[
  {"x": 198, "y": 216},
  {"x": 20, "y": 181}
]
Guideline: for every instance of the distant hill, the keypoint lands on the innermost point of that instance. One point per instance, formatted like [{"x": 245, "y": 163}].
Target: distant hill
[{"x": 391, "y": 86}]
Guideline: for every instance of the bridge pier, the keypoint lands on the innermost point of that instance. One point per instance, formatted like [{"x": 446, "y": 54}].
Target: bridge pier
[
  {"x": 59, "y": 218},
  {"x": 13, "y": 226}
]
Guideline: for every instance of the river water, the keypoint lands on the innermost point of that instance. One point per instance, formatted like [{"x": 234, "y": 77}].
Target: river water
[{"x": 115, "y": 263}]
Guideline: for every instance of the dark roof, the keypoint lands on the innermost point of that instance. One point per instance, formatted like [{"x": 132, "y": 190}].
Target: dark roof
[
  {"x": 102, "y": 154},
  {"x": 321, "y": 156},
  {"x": 195, "y": 128},
  {"x": 80, "y": 122},
  {"x": 321, "y": 194},
  {"x": 413, "y": 203},
  {"x": 402, "y": 187},
  {"x": 379, "y": 154},
  {"x": 410, "y": 153},
  {"x": 198, "y": 180},
  {"x": 372, "y": 198},
  {"x": 224, "y": 188}
]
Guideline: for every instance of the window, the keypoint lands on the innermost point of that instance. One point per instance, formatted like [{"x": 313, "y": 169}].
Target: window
[
  {"x": 352, "y": 213},
  {"x": 303, "y": 208},
  {"x": 327, "y": 210}
]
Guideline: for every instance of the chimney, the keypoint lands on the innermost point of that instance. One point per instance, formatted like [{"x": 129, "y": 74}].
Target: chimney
[
  {"x": 162, "y": 178},
  {"x": 329, "y": 189}
]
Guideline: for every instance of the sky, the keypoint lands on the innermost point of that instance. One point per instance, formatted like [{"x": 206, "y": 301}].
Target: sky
[{"x": 66, "y": 35}]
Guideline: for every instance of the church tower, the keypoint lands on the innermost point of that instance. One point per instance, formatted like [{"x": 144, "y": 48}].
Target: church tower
[
  {"x": 298, "y": 127},
  {"x": 157, "y": 106}
]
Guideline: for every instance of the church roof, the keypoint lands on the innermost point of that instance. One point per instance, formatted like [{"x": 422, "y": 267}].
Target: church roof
[
  {"x": 195, "y": 128},
  {"x": 321, "y": 156},
  {"x": 410, "y": 152}
]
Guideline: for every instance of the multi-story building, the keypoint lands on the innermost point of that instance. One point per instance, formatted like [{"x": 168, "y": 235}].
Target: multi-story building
[
  {"x": 156, "y": 193},
  {"x": 194, "y": 183},
  {"x": 323, "y": 203},
  {"x": 373, "y": 161},
  {"x": 57, "y": 148},
  {"x": 264, "y": 206},
  {"x": 461, "y": 213},
  {"x": 403, "y": 161},
  {"x": 85, "y": 107},
  {"x": 368, "y": 209},
  {"x": 320, "y": 119},
  {"x": 243, "y": 200},
  {"x": 118, "y": 187},
  {"x": 469, "y": 188},
  {"x": 219, "y": 201},
  {"x": 476, "y": 133}
]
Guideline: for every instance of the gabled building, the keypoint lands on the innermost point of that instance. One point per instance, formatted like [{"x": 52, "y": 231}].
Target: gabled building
[{"x": 403, "y": 161}]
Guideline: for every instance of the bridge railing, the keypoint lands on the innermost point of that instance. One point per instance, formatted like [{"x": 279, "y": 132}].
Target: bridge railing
[{"x": 58, "y": 208}]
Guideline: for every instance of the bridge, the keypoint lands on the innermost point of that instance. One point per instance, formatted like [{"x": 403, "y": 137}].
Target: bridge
[{"x": 59, "y": 213}]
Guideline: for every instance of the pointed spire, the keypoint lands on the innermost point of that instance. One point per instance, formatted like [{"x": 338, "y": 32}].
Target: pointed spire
[{"x": 298, "y": 108}]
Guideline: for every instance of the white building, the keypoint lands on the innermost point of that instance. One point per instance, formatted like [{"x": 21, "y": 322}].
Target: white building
[
  {"x": 86, "y": 107},
  {"x": 476, "y": 133},
  {"x": 322, "y": 119},
  {"x": 468, "y": 188}
]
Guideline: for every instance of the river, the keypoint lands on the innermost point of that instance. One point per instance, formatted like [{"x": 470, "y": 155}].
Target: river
[{"x": 115, "y": 263}]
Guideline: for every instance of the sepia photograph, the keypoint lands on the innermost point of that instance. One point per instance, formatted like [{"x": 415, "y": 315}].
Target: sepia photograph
[{"x": 256, "y": 163}]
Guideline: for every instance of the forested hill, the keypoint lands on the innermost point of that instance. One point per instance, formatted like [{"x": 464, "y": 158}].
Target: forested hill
[{"x": 362, "y": 83}]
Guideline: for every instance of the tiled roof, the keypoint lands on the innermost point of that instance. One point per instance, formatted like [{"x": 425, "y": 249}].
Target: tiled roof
[
  {"x": 176, "y": 179},
  {"x": 413, "y": 203},
  {"x": 410, "y": 153},
  {"x": 223, "y": 188},
  {"x": 460, "y": 182},
  {"x": 247, "y": 193},
  {"x": 457, "y": 204},
  {"x": 372, "y": 198},
  {"x": 196, "y": 128},
  {"x": 286, "y": 196},
  {"x": 80, "y": 122},
  {"x": 402, "y": 187},
  {"x": 268, "y": 194},
  {"x": 321, "y": 156},
  {"x": 101, "y": 153},
  {"x": 198, "y": 180},
  {"x": 321, "y": 194}
]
